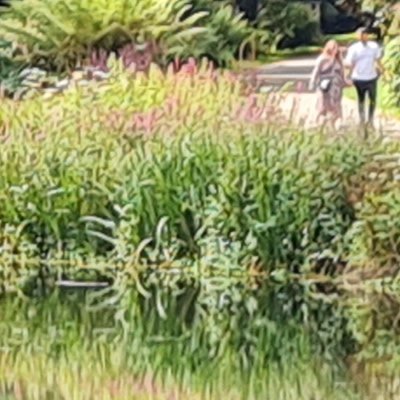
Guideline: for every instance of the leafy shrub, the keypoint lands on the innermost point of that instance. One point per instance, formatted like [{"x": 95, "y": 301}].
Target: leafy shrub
[
  {"x": 59, "y": 35},
  {"x": 390, "y": 26},
  {"x": 63, "y": 33},
  {"x": 371, "y": 280},
  {"x": 10, "y": 68},
  {"x": 288, "y": 23},
  {"x": 227, "y": 34},
  {"x": 375, "y": 234},
  {"x": 392, "y": 62},
  {"x": 301, "y": 27},
  {"x": 385, "y": 10},
  {"x": 377, "y": 230},
  {"x": 394, "y": 28}
]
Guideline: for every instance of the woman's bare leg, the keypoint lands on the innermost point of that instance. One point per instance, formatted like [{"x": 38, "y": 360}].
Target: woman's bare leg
[
  {"x": 322, "y": 120},
  {"x": 331, "y": 124}
]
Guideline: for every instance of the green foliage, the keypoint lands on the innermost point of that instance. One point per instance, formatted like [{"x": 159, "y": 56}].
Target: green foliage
[
  {"x": 60, "y": 35},
  {"x": 390, "y": 26},
  {"x": 394, "y": 28},
  {"x": 375, "y": 234},
  {"x": 377, "y": 230},
  {"x": 392, "y": 58},
  {"x": 64, "y": 32},
  {"x": 227, "y": 34},
  {"x": 10, "y": 69},
  {"x": 392, "y": 62},
  {"x": 291, "y": 24}
]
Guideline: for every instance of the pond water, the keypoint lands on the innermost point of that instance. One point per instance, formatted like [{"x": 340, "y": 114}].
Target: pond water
[{"x": 106, "y": 345}]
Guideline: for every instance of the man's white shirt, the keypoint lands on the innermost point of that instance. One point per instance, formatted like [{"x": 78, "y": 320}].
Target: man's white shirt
[{"x": 362, "y": 57}]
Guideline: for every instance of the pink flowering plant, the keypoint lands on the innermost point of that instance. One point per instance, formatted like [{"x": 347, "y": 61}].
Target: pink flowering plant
[{"x": 145, "y": 99}]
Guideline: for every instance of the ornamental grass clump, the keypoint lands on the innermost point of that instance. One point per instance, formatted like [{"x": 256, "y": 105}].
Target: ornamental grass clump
[
  {"x": 136, "y": 102},
  {"x": 145, "y": 168}
]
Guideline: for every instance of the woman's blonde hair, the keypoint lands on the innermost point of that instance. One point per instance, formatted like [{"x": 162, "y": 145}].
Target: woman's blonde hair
[{"x": 332, "y": 49}]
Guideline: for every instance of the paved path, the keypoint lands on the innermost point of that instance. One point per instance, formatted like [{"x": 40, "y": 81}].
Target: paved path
[
  {"x": 302, "y": 108},
  {"x": 294, "y": 75},
  {"x": 298, "y": 70}
]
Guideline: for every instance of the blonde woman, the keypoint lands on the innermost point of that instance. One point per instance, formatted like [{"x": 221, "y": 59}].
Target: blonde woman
[{"x": 328, "y": 77}]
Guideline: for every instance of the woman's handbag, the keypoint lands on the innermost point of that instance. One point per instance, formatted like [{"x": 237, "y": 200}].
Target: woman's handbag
[{"x": 325, "y": 84}]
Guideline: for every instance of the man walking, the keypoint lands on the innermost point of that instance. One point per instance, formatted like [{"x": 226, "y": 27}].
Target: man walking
[{"x": 364, "y": 61}]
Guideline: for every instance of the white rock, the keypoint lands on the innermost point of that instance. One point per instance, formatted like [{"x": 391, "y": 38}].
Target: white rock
[
  {"x": 63, "y": 84},
  {"x": 101, "y": 75}
]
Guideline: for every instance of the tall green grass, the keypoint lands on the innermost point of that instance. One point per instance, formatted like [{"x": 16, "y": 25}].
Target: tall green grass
[{"x": 167, "y": 178}]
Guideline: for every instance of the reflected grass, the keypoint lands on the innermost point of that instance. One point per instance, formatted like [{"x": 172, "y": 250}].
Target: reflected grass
[{"x": 55, "y": 349}]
